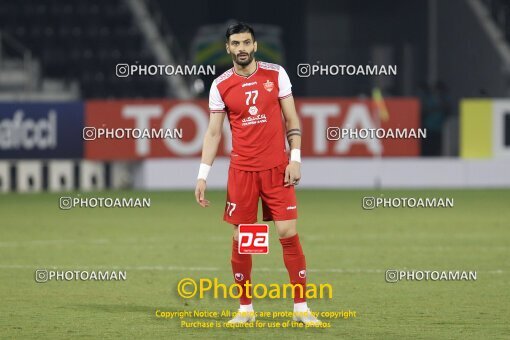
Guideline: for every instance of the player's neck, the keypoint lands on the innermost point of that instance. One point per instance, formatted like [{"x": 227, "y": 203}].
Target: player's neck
[{"x": 247, "y": 70}]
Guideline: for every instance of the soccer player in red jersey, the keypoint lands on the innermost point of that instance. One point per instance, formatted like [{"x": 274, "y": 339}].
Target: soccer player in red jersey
[{"x": 254, "y": 95}]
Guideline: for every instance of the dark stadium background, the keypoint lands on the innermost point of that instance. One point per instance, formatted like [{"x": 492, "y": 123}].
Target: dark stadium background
[{"x": 82, "y": 41}]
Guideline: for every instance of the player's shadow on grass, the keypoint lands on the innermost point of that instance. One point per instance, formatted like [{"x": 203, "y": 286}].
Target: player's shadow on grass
[
  {"x": 115, "y": 308},
  {"x": 134, "y": 309}
]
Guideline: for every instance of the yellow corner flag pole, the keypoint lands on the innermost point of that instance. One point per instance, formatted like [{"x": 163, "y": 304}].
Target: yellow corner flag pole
[
  {"x": 381, "y": 115},
  {"x": 378, "y": 100}
]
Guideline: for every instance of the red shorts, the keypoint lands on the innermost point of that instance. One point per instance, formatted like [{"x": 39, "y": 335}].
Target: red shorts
[{"x": 244, "y": 189}]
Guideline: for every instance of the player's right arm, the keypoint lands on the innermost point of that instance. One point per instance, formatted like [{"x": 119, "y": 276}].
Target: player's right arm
[
  {"x": 211, "y": 142},
  {"x": 212, "y": 137},
  {"x": 209, "y": 149}
]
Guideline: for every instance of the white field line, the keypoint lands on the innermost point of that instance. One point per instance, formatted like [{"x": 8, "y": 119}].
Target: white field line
[
  {"x": 49, "y": 242},
  {"x": 210, "y": 269}
]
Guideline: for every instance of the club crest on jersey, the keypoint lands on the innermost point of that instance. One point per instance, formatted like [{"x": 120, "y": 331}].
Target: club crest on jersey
[
  {"x": 302, "y": 274},
  {"x": 253, "y": 110},
  {"x": 239, "y": 276},
  {"x": 269, "y": 85}
]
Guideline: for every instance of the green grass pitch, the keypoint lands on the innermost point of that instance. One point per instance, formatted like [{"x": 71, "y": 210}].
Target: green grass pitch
[{"x": 346, "y": 246}]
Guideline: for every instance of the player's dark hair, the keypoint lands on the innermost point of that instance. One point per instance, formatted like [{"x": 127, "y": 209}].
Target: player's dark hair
[{"x": 239, "y": 27}]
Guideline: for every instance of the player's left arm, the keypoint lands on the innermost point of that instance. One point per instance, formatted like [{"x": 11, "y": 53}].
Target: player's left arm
[{"x": 293, "y": 127}]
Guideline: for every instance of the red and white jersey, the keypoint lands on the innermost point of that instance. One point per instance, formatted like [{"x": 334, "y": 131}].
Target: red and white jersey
[{"x": 253, "y": 108}]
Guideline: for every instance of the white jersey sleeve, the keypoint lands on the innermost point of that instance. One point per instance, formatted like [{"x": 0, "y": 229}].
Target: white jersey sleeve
[
  {"x": 216, "y": 103},
  {"x": 284, "y": 84}
]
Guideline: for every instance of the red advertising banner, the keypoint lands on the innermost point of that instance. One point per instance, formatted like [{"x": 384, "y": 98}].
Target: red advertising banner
[
  {"x": 322, "y": 115},
  {"x": 138, "y": 129}
]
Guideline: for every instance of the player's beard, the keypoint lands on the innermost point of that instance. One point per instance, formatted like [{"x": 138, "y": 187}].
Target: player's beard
[{"x": 244, "y": 62}]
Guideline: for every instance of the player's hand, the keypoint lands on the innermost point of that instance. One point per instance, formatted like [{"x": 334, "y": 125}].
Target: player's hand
[
  {"x": 292, "y": 173},
  {"x": 200, "y": 193}
]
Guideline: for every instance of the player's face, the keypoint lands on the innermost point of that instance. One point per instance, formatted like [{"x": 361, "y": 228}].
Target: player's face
[{"x": 242, "y": 48}]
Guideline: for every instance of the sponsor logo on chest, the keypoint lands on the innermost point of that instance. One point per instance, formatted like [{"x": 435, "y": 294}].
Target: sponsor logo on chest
[{"x": 249, "y": 84}]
